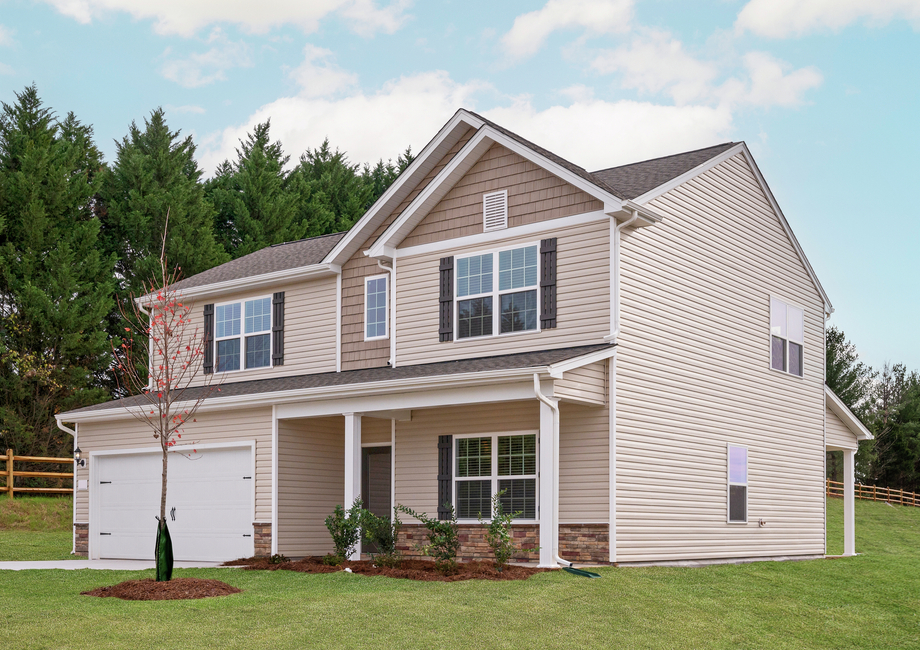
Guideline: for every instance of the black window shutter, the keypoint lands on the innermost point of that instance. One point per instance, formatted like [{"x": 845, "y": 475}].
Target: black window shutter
[
  {"x": 445, "y": 327},
  {"x": 208, "y": 364},
  {"x": 445, "y": 475},
  {"x": 278, "y": 329},
  {"x": 548, "y": 283}
]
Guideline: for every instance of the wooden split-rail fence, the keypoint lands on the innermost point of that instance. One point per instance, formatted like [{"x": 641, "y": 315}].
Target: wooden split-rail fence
[
  {"x": 875, "y": 493},
  {"x": 11, "y": 474}
]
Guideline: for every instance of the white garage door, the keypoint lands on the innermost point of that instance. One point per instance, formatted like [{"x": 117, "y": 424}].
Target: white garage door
[{"x": 208, "y": 504}]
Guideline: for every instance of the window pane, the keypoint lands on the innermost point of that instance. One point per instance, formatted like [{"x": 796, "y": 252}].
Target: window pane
[
  {"x": 475, "y": 317},
  {"x": 474, "y": 457},
  {"x": 228, "y": 355},
  {"x": 227, "y": 320},
  {"x": 474, "y": 499},
  {"x": 778, "y": 352},
  {"x": 737, "y": 503},
  {"x": 258, "y": 315},
  {"x": 258, "y": 351},
  {"x": 520, "y": 497},
  {"x": 795, "y": 359},
  {"x": 777, "y": 317},
  {"x": 795, "y": 323},
  {"x": 517, "y": 268},
  {"x": 519, "y": 311},
  {"x": 517, "y": 455},
  {"x": 474, "y": 275},
  {"x": 737, "y": 465},
  {"x": 375, "y": 309}
]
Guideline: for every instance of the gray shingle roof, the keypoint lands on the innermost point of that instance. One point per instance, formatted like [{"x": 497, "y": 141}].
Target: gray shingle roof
[
  {"x": 279, "y": 257},
  {"x": 638, "y": 178},
  {"x": 369, "y": 375}
]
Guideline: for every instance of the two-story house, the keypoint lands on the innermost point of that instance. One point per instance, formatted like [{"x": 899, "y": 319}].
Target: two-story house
[{"x": 634, "y": 357}]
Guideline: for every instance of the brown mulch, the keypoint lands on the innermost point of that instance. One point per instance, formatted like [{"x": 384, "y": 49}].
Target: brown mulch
[
  {"x": 409, "y": 569},
  {"x": 175, "y": 589}
]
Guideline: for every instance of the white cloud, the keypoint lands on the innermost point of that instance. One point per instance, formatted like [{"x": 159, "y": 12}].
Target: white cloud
[
  {"x": 185, "y": 17},
  {"x": 6, "y": 36},
  {"x": 785, "y": 18},
  {"x": 319, "y": 78},
  {"x": 530, "y": 30},
  {"x": 6, "y": 69},
  {"x": 198, "y": 110},
  {"x": 405, "y": 111},
  {"x": 200, "y": 69},
  {"x": 655, "y": 62},
  {"x": 772, "y": 82}
]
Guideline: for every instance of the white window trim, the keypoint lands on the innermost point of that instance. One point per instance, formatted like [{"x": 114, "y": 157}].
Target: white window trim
[
  {"x": 485, "y": 197},
  {"x": 495, "y": 294},
  {"x": 788, "y": 303},
  {"x": 386, "y": 307},
  {"x": 729, "y": 483},
  {"x": 494, "y": 476},
  {"x": 242, "y": 335}
]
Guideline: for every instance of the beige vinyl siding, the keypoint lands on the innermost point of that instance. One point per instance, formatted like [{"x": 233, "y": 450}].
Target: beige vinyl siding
[
  {"x": 356, "y": 352},
  {"x": 213, "y": 427},
  {"x": 309, "y": 330},
  {"x": 376, "y": 430},
  {"x": 587, "y": 384},
  {"x": 584, "y": 455},
  {"x": 534, "y": 195},
  {"x": 582, "y": 295},
  {"x": 838, "y": 435},
  {"x": 694, "y": 375},
  {"x": 311, "y": 482}
]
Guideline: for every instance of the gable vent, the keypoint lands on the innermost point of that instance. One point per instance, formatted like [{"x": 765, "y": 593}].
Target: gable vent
[{"x": 495, "y": 210}]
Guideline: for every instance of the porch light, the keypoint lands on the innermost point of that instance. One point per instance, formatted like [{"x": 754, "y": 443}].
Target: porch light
[{"x": 78, "y": 457}]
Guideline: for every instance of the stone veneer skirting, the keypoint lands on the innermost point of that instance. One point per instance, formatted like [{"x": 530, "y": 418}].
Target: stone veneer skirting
[
  {"x": 577, "y": 542},
  {"x": 263, "y": 539},
  {"x": 81, "y": 539}
]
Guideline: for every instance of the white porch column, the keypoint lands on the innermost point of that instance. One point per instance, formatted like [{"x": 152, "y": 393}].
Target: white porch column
[
  {"x": 849, "y": 502},
  {"x": 548, "y": 523},
  {"x": 353, "y": 466}
]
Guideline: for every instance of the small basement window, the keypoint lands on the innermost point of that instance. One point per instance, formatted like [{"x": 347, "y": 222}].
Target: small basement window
[
  {"x": 737, "y": 484},
  {"x": 787, "y": 337}
]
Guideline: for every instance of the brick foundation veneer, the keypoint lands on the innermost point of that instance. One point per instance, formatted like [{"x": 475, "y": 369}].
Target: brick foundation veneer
[
  {"x": 81, "y": 538},
  {"x": 577, "y": 542},
  {"x": 263, "y": 539}
]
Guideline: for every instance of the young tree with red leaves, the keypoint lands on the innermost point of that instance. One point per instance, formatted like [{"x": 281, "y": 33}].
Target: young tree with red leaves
[{"x": 162, "y": 374}]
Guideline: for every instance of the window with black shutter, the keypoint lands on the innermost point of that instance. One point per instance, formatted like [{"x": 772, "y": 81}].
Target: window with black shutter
[
  {"x": 548, "y": 283},
  {"x": 278, "y": 329},
  {"x": 208, "y": 364},
  {"x": 445, "y": 326},
  {"x": 445, "y": 476}
]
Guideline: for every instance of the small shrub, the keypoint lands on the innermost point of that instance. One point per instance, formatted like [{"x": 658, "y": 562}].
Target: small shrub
[
  {"x": 277, "y": 558},
  {"x": 345, "y": 528},
  {"x": 331, "y": 559},
  {"x": 498, "y": 532},
  {"x": 384, "y": 533},
  {"x": 443, "y": 538}
]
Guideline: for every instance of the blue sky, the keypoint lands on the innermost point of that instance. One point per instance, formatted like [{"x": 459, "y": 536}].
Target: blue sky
[{"x": 826, "y": 94}]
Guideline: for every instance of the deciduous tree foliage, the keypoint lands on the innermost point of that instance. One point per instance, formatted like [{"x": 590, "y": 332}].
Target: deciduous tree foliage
[{"x": 56, "y": 284}]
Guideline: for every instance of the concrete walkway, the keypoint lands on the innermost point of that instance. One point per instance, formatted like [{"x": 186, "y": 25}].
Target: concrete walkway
[{"x": 110, "y": 565}]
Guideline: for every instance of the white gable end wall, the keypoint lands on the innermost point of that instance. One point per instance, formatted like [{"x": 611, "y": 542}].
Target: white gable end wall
[{"x": 694, "y": 376}]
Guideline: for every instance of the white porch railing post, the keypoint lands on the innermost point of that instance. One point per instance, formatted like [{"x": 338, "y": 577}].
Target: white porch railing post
[
  {"x": 849, "y": 502},
  {"x": 548, "y": 536},
  {"x": 353, "y": 466}
]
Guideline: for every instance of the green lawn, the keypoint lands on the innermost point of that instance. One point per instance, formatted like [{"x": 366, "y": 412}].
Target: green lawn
[
  {"x": 871, "y": 601},
  {"x": 36, "y": 528}
]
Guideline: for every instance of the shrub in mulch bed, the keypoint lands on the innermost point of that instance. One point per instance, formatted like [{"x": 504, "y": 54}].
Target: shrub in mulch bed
[
  {"x": 175, "y": 589},
  {"x": 409, "y": 569}
]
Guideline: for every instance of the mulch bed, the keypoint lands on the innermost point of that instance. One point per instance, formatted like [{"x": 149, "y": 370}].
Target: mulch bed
[
  {"x": 409, "y": 569},
  {"x": 175, "y": 589}
]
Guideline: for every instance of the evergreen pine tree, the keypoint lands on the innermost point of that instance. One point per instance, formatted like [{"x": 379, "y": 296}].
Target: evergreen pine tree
[
  {"x": 845, "y": 374},
  {"x": 56, "y": 284},
  {"x": 337, "y": 185}
]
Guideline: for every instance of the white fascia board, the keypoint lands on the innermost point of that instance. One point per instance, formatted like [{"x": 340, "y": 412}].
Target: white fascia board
[
  {"x": 254, "y": 281},
  {"x": 387, "y": 389},
  {"x": 413, "y": 174},
  {"x": 846, "y": 416},
  {"x": 556, "y": 370},
  {"x": 486, "y": 135}
]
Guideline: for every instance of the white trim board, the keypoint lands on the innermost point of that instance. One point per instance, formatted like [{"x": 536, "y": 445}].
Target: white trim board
[{"x": 846, "y": 416}]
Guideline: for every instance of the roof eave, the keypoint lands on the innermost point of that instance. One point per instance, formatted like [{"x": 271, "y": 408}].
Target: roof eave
[{"x": 853, "y": 423}]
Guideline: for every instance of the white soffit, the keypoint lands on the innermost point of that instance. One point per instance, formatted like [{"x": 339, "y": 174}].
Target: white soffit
[{"x": 846, "y": 416}]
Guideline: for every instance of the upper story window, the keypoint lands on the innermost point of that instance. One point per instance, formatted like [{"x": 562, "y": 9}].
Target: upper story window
[
  {"x": 242, "y": 331},
  {"x": 493, "y": 464},
  {"x": 787, "y": 337},
  {"x": 375, "y": 307},
  {"x": 514, "y": 295}
]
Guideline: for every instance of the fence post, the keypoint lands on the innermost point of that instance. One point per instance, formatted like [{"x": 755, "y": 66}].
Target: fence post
[{"x": 9, "y": 472}]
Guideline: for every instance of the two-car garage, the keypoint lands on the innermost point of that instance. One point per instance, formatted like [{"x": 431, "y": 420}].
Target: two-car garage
[{"x": 209, "y": 505}]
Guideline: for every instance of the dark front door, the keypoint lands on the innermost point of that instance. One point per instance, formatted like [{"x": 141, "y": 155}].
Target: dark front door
[{"x": 376, "y": 484}]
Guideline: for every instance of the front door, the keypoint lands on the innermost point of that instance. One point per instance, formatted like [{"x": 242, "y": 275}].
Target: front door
[{"x": 376, "y": 484}]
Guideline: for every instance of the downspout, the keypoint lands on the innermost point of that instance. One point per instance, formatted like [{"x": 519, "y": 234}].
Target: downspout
[
  {"x": 554, "y": 407},
  {"x": 73, "y": 537},
  {"x": 391, "y": 303},
  {"x": 615, "y": 276}
]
